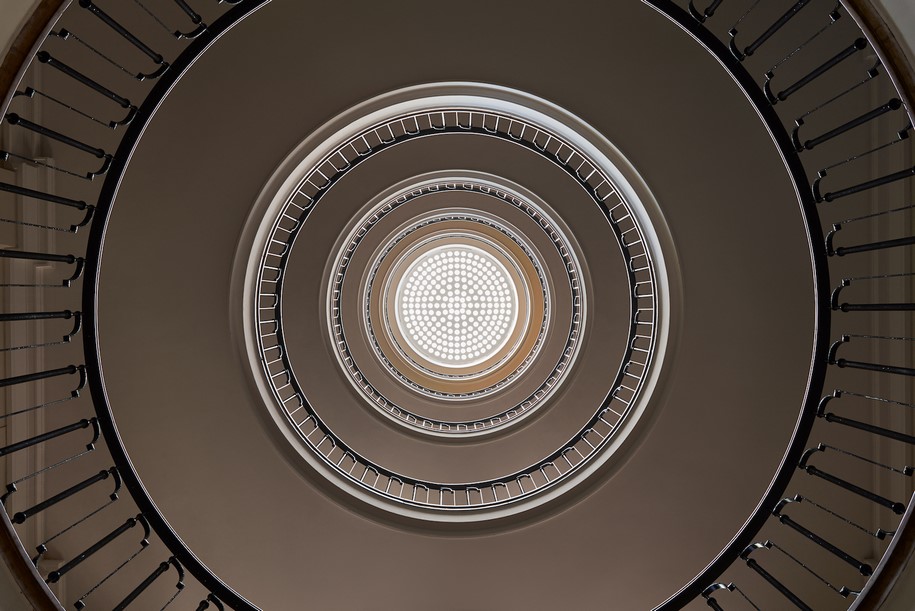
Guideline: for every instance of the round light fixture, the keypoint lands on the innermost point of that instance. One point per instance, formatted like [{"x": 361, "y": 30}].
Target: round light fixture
[{"x": 456, "y": 305}]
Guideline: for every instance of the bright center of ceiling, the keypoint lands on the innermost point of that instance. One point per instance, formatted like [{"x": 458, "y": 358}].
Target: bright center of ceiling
[{"x": 456, "y": 306}]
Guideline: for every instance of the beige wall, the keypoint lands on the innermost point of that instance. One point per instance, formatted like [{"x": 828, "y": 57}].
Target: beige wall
[
  {"x": 12, "y": 15},
  {"x": 901, "y": 15},
  {"x": 11, "y": 598}
]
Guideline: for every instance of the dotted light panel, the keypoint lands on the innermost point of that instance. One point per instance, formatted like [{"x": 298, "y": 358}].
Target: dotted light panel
[{"x": 456, "y": 305}]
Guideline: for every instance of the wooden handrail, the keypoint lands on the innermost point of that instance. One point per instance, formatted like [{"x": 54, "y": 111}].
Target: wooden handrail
[
  {"x": 25, "y": 44},
  {"x": 898, "y": 560},
  {"x": 12, "y": 67},
  {"x": 888, "y": 49},
  {"x": 24, "y": 573}
]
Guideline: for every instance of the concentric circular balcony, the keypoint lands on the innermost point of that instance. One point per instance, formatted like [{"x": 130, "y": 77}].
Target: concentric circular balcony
[{"x": 335, "y": 307}]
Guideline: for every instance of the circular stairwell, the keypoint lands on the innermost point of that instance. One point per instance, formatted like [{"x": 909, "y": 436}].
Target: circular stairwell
[{"x": 544, "y": 308}]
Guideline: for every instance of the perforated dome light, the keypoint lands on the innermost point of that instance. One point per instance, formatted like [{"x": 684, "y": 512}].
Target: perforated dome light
[{"x": 456, "y": 305}]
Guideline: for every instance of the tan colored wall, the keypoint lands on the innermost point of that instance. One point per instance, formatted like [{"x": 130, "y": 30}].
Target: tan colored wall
[
  {"x": 12, "y": 15},
  {"x": 901, "y": 15}
]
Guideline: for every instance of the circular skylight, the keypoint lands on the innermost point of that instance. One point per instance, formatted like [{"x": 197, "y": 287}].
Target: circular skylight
[{"x": 456, "y": 305}]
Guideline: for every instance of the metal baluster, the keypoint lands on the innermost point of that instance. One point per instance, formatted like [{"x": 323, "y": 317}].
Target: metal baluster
[
  {"x": 12, "y": 487},
  {"x": 21, "y": 516},
  {"x": 833, "y": 359},
  {"x": 907, "y": 470},
  {"x": 195, "y": 18},
  {"x": 54, "y": 576},
  {"x": 6, "y": 155},
  {"x": 76, "y": 426},
  {"x": 871, "y": 74},
  {"x": 891, "y": 105},
  {"x": 866, "y": 307},
  {"x": 770, "y": 579},
  {"x": 42, "y": 548},
  {"x": 709, "y": 11},
  {"x": 878, "y": 534},
  {"x": 176, "y": 33},
  {"x": 38, "y": 256},
  {"x": 66, "y": 314},
  {"x": 859, "y": 45},
  {"x": 901, "y": 135},
  {"x": 879, "y": 245},
  {"x": 129, "y": 37},
  {"x": 158, "y": 572},
  {"x": 14, "y": 119},
  {"x": 65, "y": 34},
  {"x": 155, "y": 18},
  {"x": 867, "y": 185},
  {"x": 79, "y": 262},
  {"x": 41, "y": 405},
  {"x": 34, "y": 225},
  {"x": 837, "y": 227},
  {"x": 857, "y": 424},
  {"x": 863, "y": 568},
  {"x": 34, "y": 377},
  {"x": 842, "y": 591},
  {"x": 711, "y": 602},
  {"x": 895, "y": 507},
  {"x": 834, "y": 16},
  {"x": 746, "y": 598},
  {"x": 31, "y": 92},
  {"x": 874, "y": 398},
  {"x": 75, "y": 393},
  {"x": 46, "y": 58},
  {"x": 81, "y": 601},
  {"x": 20, "y": 316},
  {"x": 48, "y": 197},
  {"x": 775, "y": 27},
  {"x": 174, "y": 596}
]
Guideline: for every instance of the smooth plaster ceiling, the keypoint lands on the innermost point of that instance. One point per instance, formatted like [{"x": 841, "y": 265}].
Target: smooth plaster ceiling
[{"x": 181, "y": 396}]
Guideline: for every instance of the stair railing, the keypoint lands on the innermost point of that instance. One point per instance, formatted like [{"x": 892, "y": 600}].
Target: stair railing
[{"x": 856, "y": 205}]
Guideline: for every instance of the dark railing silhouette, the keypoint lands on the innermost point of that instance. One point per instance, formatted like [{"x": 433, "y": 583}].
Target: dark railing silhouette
[{"x": 809, "y": 103}]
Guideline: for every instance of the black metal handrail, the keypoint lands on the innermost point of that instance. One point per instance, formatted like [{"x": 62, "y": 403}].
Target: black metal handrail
[
  {"x": 733, "y": 57},
  {"x": 732, "y": 63},
  {"x": 802, "y": 153},
  {"x": 90, "y": 303},
  {"x": 164, "y": 77}
]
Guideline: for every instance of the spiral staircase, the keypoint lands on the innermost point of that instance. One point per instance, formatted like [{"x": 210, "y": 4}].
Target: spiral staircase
[{"x": 489, "y": 306}]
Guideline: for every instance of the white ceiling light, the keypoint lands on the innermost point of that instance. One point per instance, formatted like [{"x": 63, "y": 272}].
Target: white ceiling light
[{"x": 456, "y": 305}]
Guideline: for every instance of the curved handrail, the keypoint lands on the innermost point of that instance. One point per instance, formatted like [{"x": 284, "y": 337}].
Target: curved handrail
[
  {"x": 888, "y": 49},
  {"x": 890, "y": 54},
  {"x": 731, "y": 58},
  {"x": 12, "y": 68},
  {"x": 899, "y": 558},
  {"x": 26, "y": 47},
  {"x": 23, "y": 571},
  {"x": 815, "y": 239},
  {"x": 26, "y": 44},
  {"x": 109, "y": 191}
]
